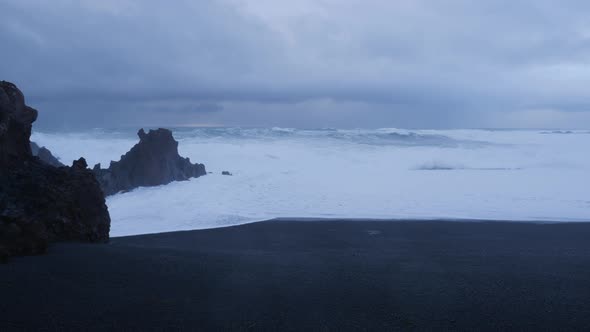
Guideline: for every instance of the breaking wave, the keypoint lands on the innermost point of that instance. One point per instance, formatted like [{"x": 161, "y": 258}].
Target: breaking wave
[{"x": 358, "y": 173}]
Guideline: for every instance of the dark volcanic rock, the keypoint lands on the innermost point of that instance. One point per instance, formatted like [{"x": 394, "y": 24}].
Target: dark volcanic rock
[
  {"x": 45, "y": 155},
  {"x": 153, "y": 161},
  {"x": 40, "y": 203},
  {"x": 16, "y": 120}
]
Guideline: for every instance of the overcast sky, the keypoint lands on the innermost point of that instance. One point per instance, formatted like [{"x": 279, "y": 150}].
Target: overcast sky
[{"x": 304, "y": 63}]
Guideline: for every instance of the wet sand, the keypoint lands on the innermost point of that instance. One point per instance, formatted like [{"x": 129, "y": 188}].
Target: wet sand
[{"x": 310, "y": 275}]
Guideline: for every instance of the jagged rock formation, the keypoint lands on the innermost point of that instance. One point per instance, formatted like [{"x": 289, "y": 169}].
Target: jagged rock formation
[
  {"x": 45, "y": 155},
  {"x": 39, "y": 203},
  {"x": 153, "y": 161},
  {"x": 15, "y": 125}
]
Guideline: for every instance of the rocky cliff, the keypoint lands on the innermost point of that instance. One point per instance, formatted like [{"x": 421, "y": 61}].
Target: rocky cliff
[
  {"x": 153, "y": 161},
  {"x": 40, "y": 203}
]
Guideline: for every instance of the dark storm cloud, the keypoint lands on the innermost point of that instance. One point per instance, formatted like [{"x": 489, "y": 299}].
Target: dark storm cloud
[{"x": 308, "y": 63}]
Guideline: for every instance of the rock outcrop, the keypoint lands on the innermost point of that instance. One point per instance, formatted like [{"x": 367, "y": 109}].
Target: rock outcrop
[
  {"x": 153, "y": 161},
  {"x": 15, "y": 125},
  {"x": 40, "y": 203},
  {"x": 45, "y": 155}
]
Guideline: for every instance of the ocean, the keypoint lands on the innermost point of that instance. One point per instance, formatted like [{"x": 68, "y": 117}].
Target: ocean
[{"x": 528, "y": 175}]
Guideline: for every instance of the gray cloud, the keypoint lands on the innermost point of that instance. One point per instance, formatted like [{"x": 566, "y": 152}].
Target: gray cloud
[{"x": 310, "y": 63}]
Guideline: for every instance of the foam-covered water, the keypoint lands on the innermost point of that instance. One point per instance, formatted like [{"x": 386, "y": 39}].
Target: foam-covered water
[{"x": 330, "y": 173}]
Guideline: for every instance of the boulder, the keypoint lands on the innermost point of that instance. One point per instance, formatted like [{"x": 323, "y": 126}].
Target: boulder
[
  {"x": 40, "y": 203},
  {"x": 153, "y": 161}
]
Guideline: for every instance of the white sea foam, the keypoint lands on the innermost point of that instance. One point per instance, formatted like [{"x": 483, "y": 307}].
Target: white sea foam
[{"x": 329, "y": 173}]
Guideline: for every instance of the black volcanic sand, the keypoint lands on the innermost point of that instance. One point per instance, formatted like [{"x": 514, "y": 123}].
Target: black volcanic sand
[{"x": 307, "y": 276}]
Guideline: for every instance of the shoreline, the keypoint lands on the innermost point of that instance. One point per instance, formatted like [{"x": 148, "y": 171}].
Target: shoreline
[
  {"x": 309, "y": 275},
  {"x": 392, "y": 220}
]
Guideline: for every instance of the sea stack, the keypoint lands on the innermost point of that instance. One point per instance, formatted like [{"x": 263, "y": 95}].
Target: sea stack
[
  {"x": 45, "y": 155},
  {"x": 153, "y": 161},
  {"x": 40, "y": 203}
]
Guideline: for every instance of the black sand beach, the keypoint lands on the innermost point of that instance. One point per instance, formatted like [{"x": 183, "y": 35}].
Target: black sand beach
[{"x": 305, "y": 276}]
